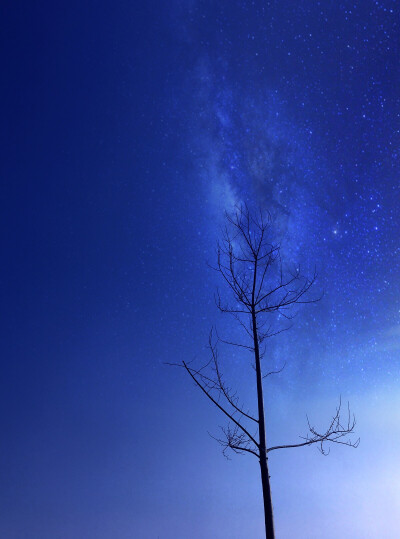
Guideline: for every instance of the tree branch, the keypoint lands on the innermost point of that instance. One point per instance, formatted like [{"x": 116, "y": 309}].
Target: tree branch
[
  {"x": 230, "y": 416},
  {"x": 334, "y": 434}
]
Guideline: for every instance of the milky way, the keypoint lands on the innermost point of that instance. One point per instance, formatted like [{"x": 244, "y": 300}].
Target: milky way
[{"x": 295, "y": 110}]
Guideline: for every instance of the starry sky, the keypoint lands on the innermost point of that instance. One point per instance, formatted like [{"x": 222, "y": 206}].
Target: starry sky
[{"x": 128, "y": 128}]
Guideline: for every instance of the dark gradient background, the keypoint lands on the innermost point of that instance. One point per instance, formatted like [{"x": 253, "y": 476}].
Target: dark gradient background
[{"x": 127, "y": 129}]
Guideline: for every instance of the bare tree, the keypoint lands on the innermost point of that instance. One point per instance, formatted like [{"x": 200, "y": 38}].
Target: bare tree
[{"x": 252, "y": 269}]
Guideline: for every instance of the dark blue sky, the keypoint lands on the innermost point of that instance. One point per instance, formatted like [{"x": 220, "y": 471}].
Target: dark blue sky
[{"x": 127, "y": 129}]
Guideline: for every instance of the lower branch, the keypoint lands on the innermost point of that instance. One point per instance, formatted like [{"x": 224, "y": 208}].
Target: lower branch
[
  {"x": 236, "y": 441},
  {"x": 335, "y": 433}
]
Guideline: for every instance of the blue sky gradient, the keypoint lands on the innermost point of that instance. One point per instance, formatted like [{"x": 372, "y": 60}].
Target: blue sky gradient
[{"x": 128, "y": 128}]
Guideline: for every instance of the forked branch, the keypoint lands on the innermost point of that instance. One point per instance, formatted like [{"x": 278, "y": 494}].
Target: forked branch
[
  {"x": 194, "y": 374},
  {"x": 337, "y": 433}
]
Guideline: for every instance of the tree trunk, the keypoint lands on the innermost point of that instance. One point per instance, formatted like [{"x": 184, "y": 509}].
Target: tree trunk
[{"x": 268, "y": 513}]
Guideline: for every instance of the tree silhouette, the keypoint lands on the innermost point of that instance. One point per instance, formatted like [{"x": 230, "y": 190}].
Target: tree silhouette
[{"x": 252, "y": 269}]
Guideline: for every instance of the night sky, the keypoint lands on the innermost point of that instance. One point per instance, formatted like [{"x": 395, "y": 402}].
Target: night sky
[{"x": 128, "y": 128}]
